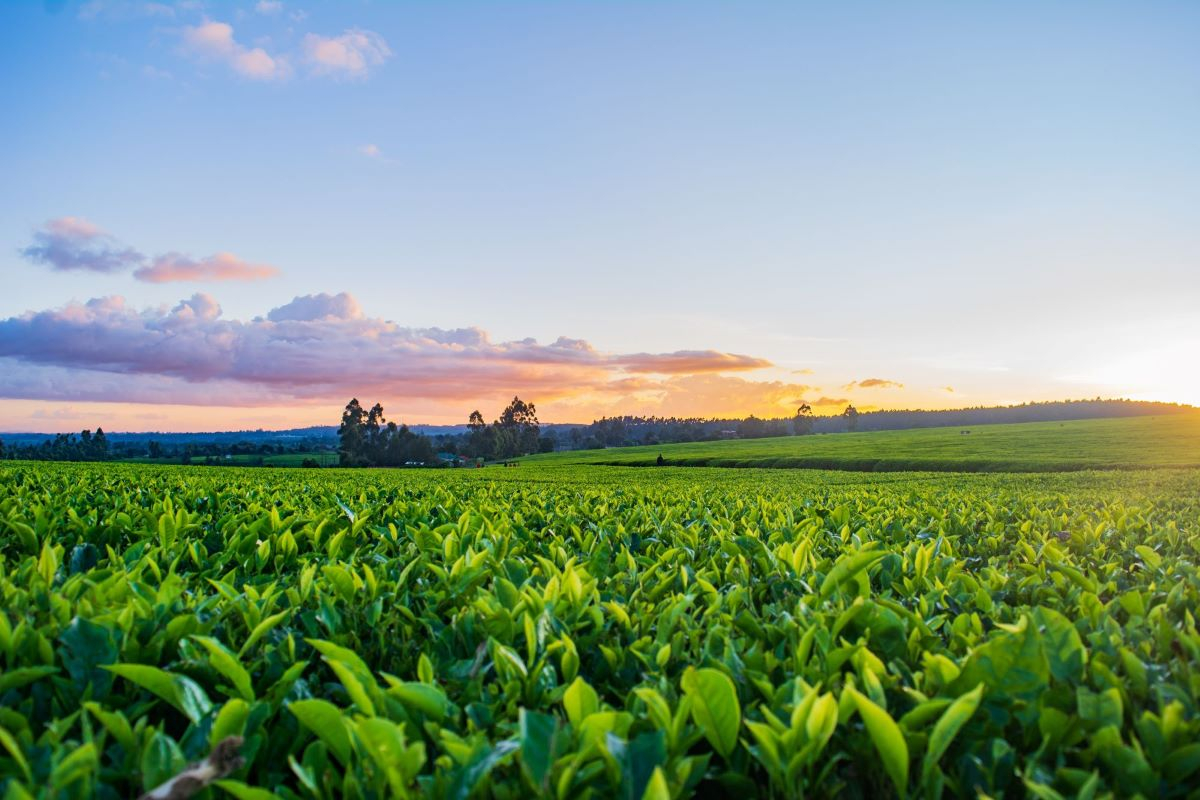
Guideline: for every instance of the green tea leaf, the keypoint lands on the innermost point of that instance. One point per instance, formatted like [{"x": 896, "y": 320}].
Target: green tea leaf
[
  {"x": 887, "y": 738},
  {"x": 715, "y": 707},
  {"x": 847, "y": 568},
  {"x": 325, "y": 720},
  {"x": 178, "y": 690},
  {"x": 579, "y": 701},
  {"x": 538, "y": 738},
  {"x": 243, "y": 792},
  {"x": 226, "y": 663},
  {"x": 948, "y": 726}
]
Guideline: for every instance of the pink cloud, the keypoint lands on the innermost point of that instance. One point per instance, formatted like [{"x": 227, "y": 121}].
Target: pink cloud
[
  {"x": 691, "y": 361},
  {"x": 312, "y": 349},
  {"x": 220, "y": 267},
  {"x": 214, "y": 41},
  {"x": 352, "y": 54}
]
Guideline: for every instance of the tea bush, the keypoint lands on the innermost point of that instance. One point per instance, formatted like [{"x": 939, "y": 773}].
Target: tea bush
[{"x": 599, "y": 632}]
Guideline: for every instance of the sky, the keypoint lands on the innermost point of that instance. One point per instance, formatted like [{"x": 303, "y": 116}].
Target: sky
[{"x": 223, "y": 215}]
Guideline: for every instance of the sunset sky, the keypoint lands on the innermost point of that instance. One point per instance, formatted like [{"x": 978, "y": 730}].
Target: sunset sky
[{"x": 238, "y": 215}]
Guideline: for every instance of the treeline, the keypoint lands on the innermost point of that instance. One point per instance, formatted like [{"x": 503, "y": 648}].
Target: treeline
[
  {"x": 631, "y": 430},
  {"x": 214, "y": 452},
  {"x": 367, "y": 439},
  {"x": 634, "y": 430},
  {"x": 87, "y": 446},
  {"x": 1052, "y": 411}
]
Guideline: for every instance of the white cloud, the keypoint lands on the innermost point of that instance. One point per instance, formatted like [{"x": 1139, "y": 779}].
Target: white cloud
[
  {"x": 314, "y": 307},
  {"x": 268, "y": 7}
]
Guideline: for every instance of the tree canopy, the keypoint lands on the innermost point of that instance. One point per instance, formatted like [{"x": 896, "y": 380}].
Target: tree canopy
[{"x": 368, "y": 439}]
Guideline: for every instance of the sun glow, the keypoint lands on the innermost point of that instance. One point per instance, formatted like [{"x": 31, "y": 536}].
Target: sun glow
[{"x": 1165, "y": 373}]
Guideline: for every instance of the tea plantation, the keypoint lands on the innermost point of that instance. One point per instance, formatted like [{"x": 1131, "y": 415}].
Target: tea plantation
[
  {"x": 1122, "y": 443},
  {"x": 599, "y": 632}
]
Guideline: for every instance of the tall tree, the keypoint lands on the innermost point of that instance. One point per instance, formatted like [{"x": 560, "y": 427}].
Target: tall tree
[
  {"x": 376, "y": 435},
  {"x": 520, "y": 424},
  {"x": 851, "y": 417},
  {"x": 476, "y": 444},
  {"x": 99, "y": 445},
  {"x": 351, "y": 433},
  {"x": 802, "y": 425}
]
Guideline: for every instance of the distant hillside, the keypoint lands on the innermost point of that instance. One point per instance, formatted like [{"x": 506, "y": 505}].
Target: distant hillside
[
  {"x": 1170, "y": 440},
  {"x": 633, "y": 431},
  {"x": 1056, "y": 411}
]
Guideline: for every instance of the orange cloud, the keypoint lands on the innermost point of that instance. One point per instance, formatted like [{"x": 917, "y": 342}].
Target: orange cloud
[
  {"x": 691, "y": 361},
  {"x": 219, "y": 267},
  {"x": 696, "y": 395},
  {"x": 873, "y": 383},
  {"x": 825, "y": 402}
]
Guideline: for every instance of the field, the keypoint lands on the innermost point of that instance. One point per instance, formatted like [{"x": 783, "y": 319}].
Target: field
[
  {"x": 1157, "y": 441},
  {"x": 324, "y": 458},
  {"x": 600, "y": 632}
]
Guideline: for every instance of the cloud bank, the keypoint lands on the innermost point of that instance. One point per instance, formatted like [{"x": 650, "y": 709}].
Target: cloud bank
[{"x": 322, "y": 348}]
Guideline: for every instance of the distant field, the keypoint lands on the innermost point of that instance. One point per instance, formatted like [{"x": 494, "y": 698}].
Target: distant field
[
  {"x": 1159, "y": 441},
  {"x": 277, "y": 460}
]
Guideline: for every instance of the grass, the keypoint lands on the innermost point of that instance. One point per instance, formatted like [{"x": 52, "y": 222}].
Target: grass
[{"x": 1128, "y": 443}]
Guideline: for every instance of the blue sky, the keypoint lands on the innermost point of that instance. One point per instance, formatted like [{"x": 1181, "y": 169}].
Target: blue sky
[{"x": 998, "y": 198}]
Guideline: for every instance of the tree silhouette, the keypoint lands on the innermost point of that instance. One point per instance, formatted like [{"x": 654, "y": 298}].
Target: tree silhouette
[
  {"x": 351, "y": 434},
  {"x": 368, "y": 439},
  {"x": 518, "y": 429},
  {"x": 802, "y": 425}
]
